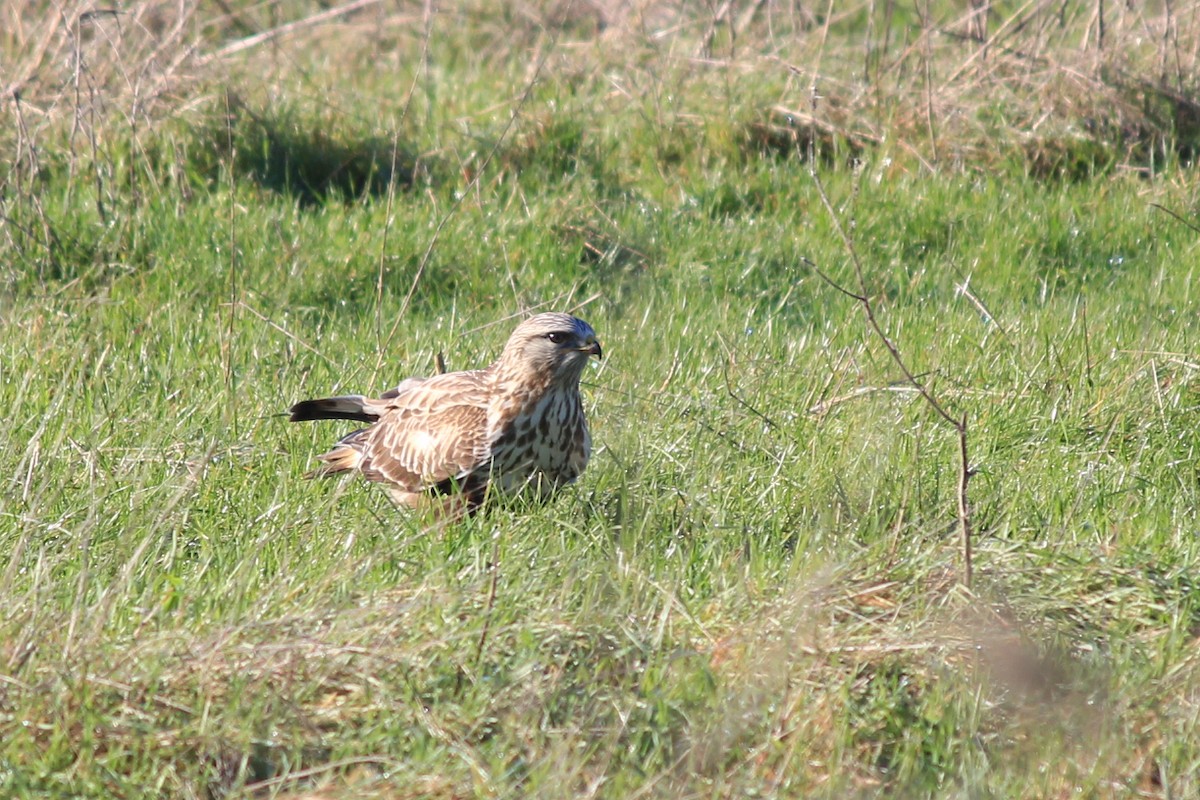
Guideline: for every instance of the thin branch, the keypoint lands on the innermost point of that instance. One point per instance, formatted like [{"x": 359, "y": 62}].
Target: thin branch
[
  {"x": 812, "y": 265},
  {"x": 964, "y": 508},
  {"x": 869, "y": 307},
  {"x": 1178, "y": 217},
  {"x": 959, "y": 423}
]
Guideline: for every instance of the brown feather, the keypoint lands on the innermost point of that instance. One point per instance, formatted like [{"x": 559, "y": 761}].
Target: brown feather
[{"x": 518, "y": 423}]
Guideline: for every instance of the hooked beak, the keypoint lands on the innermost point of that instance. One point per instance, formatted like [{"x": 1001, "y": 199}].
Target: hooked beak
[{"x": 592, "y": 348}]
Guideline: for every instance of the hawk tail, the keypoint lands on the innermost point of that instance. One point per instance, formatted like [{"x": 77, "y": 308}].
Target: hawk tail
[
  {"x": 346, "y": 456},
  {"x": 347, "y": 407}
]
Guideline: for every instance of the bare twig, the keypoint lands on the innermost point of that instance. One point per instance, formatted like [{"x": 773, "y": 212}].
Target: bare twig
[
  {"x": 869, "y": 308},
  {"x": 964, "y": 507},
  {"x": 862, "y": 296},
  {"x": 1178, "y": 217}
]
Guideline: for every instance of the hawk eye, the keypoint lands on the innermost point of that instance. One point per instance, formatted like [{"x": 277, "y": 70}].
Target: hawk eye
[{"x": 558, "y": 337}]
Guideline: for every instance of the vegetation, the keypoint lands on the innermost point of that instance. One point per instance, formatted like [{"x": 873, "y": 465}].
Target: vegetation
[{"x": 210, "y": 211}]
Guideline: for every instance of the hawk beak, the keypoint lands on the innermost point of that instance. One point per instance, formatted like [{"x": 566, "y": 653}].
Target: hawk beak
[{"x": 592, "y": 348}]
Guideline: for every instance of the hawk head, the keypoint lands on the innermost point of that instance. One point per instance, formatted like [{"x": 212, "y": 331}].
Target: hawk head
[{"x": 552, "y": 347}]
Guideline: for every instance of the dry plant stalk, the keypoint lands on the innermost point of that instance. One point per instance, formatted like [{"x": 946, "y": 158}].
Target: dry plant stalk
[{"x": 863, "y": 298}]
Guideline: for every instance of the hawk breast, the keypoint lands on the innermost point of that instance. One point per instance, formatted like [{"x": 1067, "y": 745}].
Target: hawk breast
[{"x": 545, "y": 443}]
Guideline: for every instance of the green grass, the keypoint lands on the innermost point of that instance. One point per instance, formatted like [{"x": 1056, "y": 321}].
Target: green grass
[{"x": 755, "y": 588}]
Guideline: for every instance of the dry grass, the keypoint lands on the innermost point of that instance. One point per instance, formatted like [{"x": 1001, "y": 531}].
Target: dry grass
[
  {"x": 1047, "y": 84},
  {"x": 809, "y": 684}
]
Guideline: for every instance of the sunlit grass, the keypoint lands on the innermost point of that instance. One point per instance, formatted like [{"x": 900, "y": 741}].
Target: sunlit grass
[{"x": 755, "y": 588}]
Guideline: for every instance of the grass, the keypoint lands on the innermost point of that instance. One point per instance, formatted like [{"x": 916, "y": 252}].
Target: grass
[{"x": 755, "y": 588}]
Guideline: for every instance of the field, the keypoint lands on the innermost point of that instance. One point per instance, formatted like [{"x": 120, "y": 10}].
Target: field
[{"x": 760, "y": 587}]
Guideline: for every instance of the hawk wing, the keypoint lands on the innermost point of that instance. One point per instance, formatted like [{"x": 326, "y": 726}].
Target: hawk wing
[{"x": 429, "y": 431}]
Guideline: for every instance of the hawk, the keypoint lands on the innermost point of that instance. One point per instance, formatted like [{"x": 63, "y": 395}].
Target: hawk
[{"x": 515, "y": 425}]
